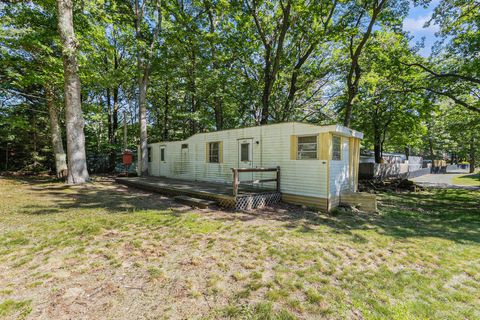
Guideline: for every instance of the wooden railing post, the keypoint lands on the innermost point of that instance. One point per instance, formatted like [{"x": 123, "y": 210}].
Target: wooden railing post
[
  {"x": 236, "y": 177},
  {"x": 235, "y": 182},
  {"x": 278, "y": 179}
]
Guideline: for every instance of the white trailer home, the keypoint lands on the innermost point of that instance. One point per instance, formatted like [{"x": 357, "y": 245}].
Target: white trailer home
[{"x": 318, "y": 164}]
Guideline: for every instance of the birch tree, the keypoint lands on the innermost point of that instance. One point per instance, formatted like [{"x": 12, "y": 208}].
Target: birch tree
[
  {"x": 77, "y": 162},
  {"x": 148, "y": 23},
  {"x": 56, "y": 134}
]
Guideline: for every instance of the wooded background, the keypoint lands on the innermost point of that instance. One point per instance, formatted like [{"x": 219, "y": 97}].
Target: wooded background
[{"x": 175, "y": 68}]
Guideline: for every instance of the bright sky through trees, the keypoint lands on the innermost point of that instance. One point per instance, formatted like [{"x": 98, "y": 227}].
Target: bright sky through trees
[{"x": 415, "y": 24}]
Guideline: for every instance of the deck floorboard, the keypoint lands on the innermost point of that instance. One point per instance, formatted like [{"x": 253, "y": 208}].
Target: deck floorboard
[{"x": 222, "y": 193}]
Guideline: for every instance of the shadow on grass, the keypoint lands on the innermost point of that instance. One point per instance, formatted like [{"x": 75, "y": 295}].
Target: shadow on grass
[
  {"x": 119, "y": 199},
  {"x": 452, "y": 214}
]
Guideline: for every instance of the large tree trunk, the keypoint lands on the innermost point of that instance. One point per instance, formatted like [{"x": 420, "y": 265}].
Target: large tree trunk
[
  {"x": 56, "y": 135},
  {"x": 142, "y": 106},
  {"x": 77, "y": 162}
]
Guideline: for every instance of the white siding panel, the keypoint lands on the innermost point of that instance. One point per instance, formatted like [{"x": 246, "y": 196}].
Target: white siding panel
[
  {"x": 339, "y": 173},
  {"x": 301, "y": 177}
]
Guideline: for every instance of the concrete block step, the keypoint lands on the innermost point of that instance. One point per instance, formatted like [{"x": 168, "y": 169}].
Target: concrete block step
[{"x": 194, "y": 202}]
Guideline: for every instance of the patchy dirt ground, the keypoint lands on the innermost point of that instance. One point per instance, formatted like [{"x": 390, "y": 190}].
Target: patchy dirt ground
[{"x": 103, "y": 251}]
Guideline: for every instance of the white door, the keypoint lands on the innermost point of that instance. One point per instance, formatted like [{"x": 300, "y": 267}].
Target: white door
[
  {"x": 245, "y": 157},
  {"x": 161, "y": 163},
  {"x": 184, "y": 158}
]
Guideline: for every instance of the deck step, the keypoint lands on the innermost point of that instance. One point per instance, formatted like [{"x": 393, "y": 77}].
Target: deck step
[{"x": 194, "y": 202}]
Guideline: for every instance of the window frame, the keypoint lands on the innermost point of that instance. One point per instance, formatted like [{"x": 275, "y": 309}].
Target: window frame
[
  {"x": 210, "y": 149},
  {"x": 299, "y": 144},
  {"x": 149, "y": 154},
  {"x": 162, "y": 154},
  {"x": 334, "y": 158},
  {"x": 249, "y": 156}
]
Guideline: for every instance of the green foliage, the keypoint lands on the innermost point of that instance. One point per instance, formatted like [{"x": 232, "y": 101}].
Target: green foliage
[{"x": 213, "y": 63}]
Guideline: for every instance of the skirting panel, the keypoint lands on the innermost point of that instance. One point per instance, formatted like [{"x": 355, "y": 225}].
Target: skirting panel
[
  {"x": 320, "y": 203},
  {"x": 254, "y": 201}
]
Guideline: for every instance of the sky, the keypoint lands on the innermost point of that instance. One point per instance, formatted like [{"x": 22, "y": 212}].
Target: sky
[{"x": 414, "y": 24}]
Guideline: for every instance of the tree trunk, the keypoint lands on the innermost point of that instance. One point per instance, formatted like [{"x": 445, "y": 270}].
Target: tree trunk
[
  {"x": 266, "y": 93},
  {"x": 377, "y": 145},
  {"x": 112, "y": 126},
  {"x": 378, "y": 151},
  {"x": 165, "y": 115},
  {"x": 142, "y": 96},
  {"x": 218, "y": 113},
  {"x": 77, "y": 162},
  {"x": 430, "y": 148},
  {"x": 355, "y": 72},
  {"x": 144, "y": 57},
  {"x": 217, "y": 101},
  {"x": 56, "y": 135},
  {"x": 272, "y": 56}
]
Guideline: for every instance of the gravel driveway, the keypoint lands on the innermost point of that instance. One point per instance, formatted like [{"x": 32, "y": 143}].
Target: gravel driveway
[{"x": 443, "y": 180}]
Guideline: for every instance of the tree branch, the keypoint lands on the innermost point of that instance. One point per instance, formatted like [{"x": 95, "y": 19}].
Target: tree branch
[{"x": 442, "y": 75}]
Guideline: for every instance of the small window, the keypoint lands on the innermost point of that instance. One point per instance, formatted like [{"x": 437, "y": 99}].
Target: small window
[
  {"x": 149, "y": 154},
  {"x": 336, "y": 148},
  {"x": 307, "y": 147},
  {"x": 185, "y": 146},
  {"x": 245, "y": 152},
  {"x": 162, "y": 154},
  {"x": 214, "y": 152}
]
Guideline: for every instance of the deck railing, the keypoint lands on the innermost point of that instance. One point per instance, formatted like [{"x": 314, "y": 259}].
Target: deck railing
[{"x": 236, "y": 178}]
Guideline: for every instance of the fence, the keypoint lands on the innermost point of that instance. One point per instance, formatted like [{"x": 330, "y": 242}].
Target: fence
[{"x": 383, "y": 171}]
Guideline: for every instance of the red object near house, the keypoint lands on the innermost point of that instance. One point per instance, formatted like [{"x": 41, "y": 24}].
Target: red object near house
[{"x": 127, "y": 157}]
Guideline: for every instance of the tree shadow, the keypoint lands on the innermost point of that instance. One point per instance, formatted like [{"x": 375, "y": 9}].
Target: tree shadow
[
  {"x": 452, "y": 214},
  {"x": 112, "y": 198}
]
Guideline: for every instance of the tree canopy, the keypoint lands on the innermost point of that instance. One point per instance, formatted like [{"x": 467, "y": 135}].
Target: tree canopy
[{"x": 172, "y": 68}]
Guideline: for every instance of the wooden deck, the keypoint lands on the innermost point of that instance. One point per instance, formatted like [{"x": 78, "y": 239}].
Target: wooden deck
[{"x": 247, "y": 197}]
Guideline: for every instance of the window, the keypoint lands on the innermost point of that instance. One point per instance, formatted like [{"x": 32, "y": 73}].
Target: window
[
  {"x": 149, "y": 154},
  {"x": 245, "y": 152},
  {"x": 307, "y": 147},
  {"x": 162, "y": 154},
  {"x": 336, "y": 148},
  {"x": 214, "y": 152},
  {"x": 185, "y": 146}
]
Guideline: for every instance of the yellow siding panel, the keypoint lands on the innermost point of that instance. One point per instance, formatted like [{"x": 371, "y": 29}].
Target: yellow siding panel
[
  {"x": 316, "y": 202},
  {"x": 207, "y": 149},
  {"x": 293, "y": 147},
  {"x": 220, "y": 150},
  {"x": 324, "y": 146}
]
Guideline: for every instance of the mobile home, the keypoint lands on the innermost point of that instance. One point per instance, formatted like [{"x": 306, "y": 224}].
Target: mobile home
[{"x": 318, "y": 164}]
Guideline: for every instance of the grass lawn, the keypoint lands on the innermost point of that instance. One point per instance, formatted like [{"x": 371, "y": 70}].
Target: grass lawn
[
  {"x": 103, "y": 251},
  {"x": 472, "y": 179}
]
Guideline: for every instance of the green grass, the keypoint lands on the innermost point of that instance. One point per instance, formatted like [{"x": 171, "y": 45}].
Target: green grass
[
  {"x": 89, "y": 250},
  {"x": 467, "y": 180},
  {"x": 21, "y": 309}
]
